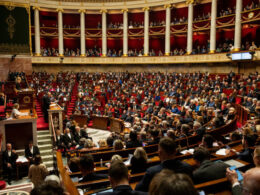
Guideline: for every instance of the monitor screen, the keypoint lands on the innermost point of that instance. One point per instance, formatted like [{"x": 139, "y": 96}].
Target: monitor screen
[{"x": 241, "y": 56}]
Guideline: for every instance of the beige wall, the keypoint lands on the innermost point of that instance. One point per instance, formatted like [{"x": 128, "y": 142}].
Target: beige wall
[
  {"x": 212, "y": 68},
  {"x": 19, "y": 64}
]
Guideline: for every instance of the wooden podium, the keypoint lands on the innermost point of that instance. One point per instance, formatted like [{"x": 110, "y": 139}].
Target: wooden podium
[
  {"x": 100, "y": 122},
  {"x": 55, "y": 113},
  {"x": 80, "y": 119},
  {"x": 19, "y": 131},
  {"x": 116, "y": 125},
  {"x": 25, "y": 97}
]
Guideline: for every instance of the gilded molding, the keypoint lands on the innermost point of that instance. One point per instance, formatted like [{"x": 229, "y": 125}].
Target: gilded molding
[
  {"x": 191, "y": 1},
  {"x": 167, "y": 6},
  {"x": 124, "y": 10},
  {"x": 59, "y": 10},
  {"x": 146, "y": 8},
  {"x": 36, "y": 7},
  {"x": 82, "y": 11},
  {"x": 103, "y": 11}
]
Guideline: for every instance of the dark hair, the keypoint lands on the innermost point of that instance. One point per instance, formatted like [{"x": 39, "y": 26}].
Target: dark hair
[
  {"x": 133, "y": 136},
  {"x": 200, "y": 154},
  {"x": 110, "y": 141},
  {"x": 74, "y": 164},
  {"x": 48, "y": 188},
  {"x": 37, "y": 159},
  {"x": 118, "y": 171},
  {"x": 208, "y": 139},
  {"x": 86, "y": 162},
  {"x": 154, "y": 133},
  {"x": 250, "y": 139},
  {"x": 168, "y": 145},
  {"x": 166, "y": 182}
]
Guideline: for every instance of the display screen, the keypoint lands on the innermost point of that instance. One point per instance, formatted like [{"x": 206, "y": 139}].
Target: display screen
[{"x": 241, "y": 56}]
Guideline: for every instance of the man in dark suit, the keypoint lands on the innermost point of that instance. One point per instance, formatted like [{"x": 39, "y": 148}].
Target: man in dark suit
[
  {"x": 118, "y": 176},
  {"x": 31, "y": 151},
  {"x": 250, "y": 182},
  {"x": 79, "y": 134},
  {"x": 86, "y": 165},
  {"x": 207, "y": 170},
  {"x": 9, "y": 161},
  {"x": 68, "y": 139},
  {"x": 59, "y": 140},
  {"x": 46, "y": 101},
  {"x": 248, "y": 141},
  {"x": 167, "y": 153}
]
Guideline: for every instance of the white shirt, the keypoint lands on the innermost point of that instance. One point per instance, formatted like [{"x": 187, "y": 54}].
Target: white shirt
[{"x": 16, "y": 112}]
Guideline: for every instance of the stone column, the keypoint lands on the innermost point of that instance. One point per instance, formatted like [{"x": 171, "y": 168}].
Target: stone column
[
  {"x": 37, "y": 31},
  {"x": 146, "y": 31},
  {"x": 237, "y": 44},
  {"x": 60, "y": 32},
  {"x": 104, "y": 32},
  {"x": 168, "y": 30},
  {"x": 213, "y": 26},
  {"x": 82, "y": 33},
  {"x": 190, "y": 30},
  {"x": 125, "y": 32}
]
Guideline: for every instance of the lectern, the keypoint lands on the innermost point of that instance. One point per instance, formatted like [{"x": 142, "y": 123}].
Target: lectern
[
  {"x": 55, "y": 113},
  {"x": 25, "y": 97}
]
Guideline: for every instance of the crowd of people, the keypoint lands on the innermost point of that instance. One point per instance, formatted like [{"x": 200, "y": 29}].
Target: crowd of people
[{"x": 159, "y": 109}]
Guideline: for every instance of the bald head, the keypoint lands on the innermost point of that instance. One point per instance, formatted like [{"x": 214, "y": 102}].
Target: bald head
[{"x": 251, "y": 181}]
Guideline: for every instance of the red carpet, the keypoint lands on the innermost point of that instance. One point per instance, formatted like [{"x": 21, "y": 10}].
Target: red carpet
[{"x": 41, "y": 125}]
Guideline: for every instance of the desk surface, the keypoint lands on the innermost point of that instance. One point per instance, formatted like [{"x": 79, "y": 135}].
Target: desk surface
[
  {"x": 54, "y": 107},
  {"x": 29, "y": 116}
]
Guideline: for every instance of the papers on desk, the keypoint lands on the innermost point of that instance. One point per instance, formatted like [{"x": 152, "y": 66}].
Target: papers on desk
[
  {"x": 221, "y": 152},
  {"x": 234, "y": 163},
  {"x": 189, "y": 151},
  {"x": 22, "y": 159},
  {"x": 53, "y": 105}
]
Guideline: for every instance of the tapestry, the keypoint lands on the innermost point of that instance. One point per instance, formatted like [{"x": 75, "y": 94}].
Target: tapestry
[{"x": 14, "y": 33}]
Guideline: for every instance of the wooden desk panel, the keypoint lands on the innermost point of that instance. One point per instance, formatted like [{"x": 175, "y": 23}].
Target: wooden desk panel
[{"x": 100, "y": 122}]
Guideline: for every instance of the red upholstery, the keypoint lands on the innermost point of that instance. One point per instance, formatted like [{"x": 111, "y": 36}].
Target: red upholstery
[
  {"x": 2, "y": 109},
  {"x": 2, "y": 185}
]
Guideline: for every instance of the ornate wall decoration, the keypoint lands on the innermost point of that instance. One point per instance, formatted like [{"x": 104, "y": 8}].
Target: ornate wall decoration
[{"x": 14, "y": 25}]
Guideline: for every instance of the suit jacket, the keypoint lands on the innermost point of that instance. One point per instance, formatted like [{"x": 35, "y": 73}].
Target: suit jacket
[
  {"x": 175, "y": 165},
  {"x": 237, "y": 190},
  {"x": 209, "y": 170},
  {"x": 29, "y": 154},
  {"x": 9, "y": 159},
  {"x": 68, "y": 140},
  {"x": 59, "y": 141},
  {"x": 123, "y": 189},
  {"x": 80, "y": 135},
  {"x": 46, "y": 101}
]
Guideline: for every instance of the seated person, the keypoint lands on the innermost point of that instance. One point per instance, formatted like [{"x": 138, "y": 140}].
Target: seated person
[
  {"x": 250, "y": 182},
  {"x": 9, "y": 161},
  {"x": 118, "y": 144},
  {"x": 139, "y": 161},
  {"x": 167, "y": 182},
  {"x": 86, "y": 166},
  {"x": 16, "y": 113},
  {"x": 133, "y": 142},
  {"x": 68, "y": 139},
  {"x": 167, "y": 153},
  {"x": 248, "y": 141},
  {"x": 207, "y": 170},
  {"x": 59, "y": 140},
  {"x": 119, "y": 179},
  {"x": 73, "y": 164},
  {"x": 31, "y": 151},
  {"x": 155, "y": 137}
]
